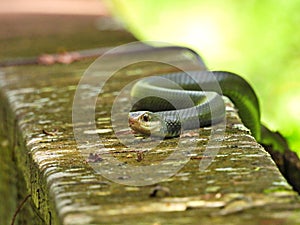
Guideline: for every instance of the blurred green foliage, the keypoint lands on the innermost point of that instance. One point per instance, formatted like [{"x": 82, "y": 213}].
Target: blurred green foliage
[{"x": 260, "y": 40}]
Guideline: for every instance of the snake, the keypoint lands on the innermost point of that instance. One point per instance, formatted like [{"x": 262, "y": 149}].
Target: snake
[{"x": 166, "y": 104}]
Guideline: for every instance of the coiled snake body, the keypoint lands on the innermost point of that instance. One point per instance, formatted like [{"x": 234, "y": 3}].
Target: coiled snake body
[{"x": 167, "y": 104}]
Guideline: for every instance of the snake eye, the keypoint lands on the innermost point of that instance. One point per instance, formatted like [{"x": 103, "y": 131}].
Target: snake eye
[{"x": 146, "y": 117}]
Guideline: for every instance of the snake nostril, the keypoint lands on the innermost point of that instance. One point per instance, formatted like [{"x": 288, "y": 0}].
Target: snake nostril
[{"x": 131, "y": 121}]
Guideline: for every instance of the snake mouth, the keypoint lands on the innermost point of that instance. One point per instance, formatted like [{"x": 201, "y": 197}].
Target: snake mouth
[
  {"x": 133, "y": 124},
  {"x": 136, "y": 125},
  {"x": 145, "y": 123}
]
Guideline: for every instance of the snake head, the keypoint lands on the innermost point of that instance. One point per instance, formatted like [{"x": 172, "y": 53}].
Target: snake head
[{"x": 146, "y": 123}]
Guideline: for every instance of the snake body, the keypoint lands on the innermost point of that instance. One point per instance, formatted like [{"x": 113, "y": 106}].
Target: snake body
[
  {"x": 162, "y": 109},
  {"x": 167, "y": 104}
]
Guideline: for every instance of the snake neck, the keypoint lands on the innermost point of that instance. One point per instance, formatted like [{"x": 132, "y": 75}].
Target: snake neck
[{"x": 171, "y": 125}]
